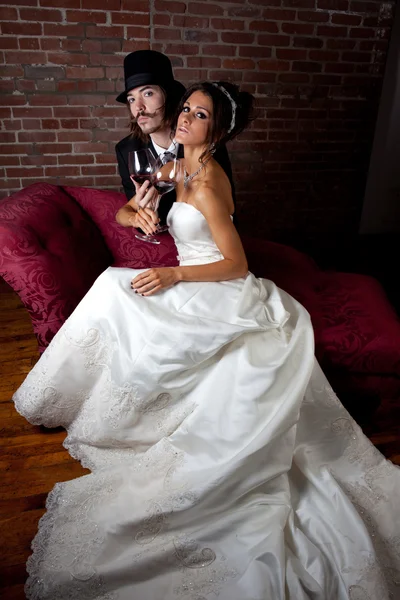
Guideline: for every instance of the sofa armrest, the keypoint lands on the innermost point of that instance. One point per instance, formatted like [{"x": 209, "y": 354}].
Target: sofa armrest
[{"x": 50, "y": 254}]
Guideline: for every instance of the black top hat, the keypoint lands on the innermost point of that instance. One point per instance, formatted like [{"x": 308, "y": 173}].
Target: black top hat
[{"x": 148, "y": 67}]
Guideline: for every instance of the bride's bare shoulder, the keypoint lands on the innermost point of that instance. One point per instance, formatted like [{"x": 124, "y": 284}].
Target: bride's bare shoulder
[{"x": 214, "y": 191}]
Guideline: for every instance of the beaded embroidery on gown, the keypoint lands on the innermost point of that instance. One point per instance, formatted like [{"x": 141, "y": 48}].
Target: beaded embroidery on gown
[{"x": 223, "y": 465}]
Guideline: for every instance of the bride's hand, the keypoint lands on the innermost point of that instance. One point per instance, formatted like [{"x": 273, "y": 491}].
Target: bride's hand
[{"x": 154, "y": 280}]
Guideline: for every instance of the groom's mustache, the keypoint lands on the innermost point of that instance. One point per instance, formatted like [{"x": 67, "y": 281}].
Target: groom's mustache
[{"x": 146, "y": 114}]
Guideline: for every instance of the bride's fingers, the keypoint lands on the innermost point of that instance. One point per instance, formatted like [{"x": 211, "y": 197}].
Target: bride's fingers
[{"x": 153, "y": 291}]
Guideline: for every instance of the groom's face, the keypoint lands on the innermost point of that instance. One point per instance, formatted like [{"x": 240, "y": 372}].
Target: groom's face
[{"x": 146, "y": 104}]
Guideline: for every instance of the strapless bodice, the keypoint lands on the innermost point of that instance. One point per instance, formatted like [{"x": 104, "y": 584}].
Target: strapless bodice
[{"x": 192, "y": 235}]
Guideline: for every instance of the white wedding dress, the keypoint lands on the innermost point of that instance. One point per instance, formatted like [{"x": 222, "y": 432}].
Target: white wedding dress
[{"x": 223, "y": 465}]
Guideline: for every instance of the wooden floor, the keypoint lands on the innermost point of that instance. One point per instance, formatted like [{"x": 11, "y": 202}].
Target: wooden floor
[{"x": 32, "y": 459}]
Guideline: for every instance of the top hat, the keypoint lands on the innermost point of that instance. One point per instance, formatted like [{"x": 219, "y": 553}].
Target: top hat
[{"x": 148, "y": 67}]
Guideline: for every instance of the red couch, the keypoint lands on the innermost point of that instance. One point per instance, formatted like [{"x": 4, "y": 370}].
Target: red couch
[{"x": 55, "y": 241}]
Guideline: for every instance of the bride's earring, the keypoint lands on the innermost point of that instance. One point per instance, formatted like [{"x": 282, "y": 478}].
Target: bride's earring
[{"x": 212, "y": 148}]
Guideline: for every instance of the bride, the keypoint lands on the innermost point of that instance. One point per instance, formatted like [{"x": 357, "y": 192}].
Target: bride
[{"x": 223, "y": 465}]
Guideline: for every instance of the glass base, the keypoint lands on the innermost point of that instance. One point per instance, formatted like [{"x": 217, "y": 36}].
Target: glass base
[
  {"x": 162, "y": 229},
  {"x": 147, "y": 238}
]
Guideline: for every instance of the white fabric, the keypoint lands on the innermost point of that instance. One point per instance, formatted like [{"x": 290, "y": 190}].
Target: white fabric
[
  {"x": 173, "y": 147},
  {"x": 223, "y": 465}
]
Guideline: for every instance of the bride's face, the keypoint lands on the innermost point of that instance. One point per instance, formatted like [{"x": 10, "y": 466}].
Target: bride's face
[{"x": 195, "y": 120}]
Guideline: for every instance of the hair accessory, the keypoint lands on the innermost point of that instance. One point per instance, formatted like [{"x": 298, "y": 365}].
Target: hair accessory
[{"x": 233, "y": 104}]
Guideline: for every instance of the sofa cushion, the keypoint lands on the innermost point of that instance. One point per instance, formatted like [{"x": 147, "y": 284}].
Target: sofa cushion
[
  {"x": 50, "y": 254},
  {"x": 361, "y": 331},
  {"x": 126, "y": 249}
]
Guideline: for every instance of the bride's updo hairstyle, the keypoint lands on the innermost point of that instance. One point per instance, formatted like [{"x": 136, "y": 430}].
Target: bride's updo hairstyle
[{"x": 232, "y": 111}]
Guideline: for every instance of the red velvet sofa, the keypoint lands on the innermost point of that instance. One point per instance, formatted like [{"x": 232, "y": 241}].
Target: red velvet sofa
[{"x": 55, "y": 241}]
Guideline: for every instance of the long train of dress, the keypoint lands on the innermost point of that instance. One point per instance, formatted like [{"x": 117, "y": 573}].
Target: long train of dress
[{"x": 223, "y": 465}]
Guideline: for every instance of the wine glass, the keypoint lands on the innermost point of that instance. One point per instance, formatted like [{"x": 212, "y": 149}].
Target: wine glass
[
  {"x": 141, "y": 165},
  {"x": 165, "y": 178}
]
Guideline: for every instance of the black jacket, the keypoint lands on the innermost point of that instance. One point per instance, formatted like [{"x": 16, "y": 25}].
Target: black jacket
[{"x": 130, "y": 143}]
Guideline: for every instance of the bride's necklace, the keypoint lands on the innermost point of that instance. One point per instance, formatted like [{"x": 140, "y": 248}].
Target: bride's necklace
[{"x": 187, "y": 178}]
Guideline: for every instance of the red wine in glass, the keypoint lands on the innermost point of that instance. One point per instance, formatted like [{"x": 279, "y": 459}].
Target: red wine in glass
[
  {"x": 165, "y": 178},
  {"x": 141, "y": 165}
]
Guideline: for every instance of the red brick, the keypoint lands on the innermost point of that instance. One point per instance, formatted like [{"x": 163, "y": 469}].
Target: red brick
[
  {"x": 36, "y": 136},
  {"x": 131, "y": 46},
  {"x": 85, "y": 101},
  {"x": 333, "y": 4},
  {"x": 13, "y": 124},
  {"x": 86, "y": 86},
  {"x": 12, "y": 100},
  {"x": 105, "y": 4},
  {"x": 161, "y": 20},
  {"x": 255, "y": 51},
  {"x": 172, "y": 7},
  {"x": 190, "y": 22},
  {"x": 10, "y": 184},
  {"x": 135, "y": 5},
  {"x": 323, "y": 55},
  {"x": 53, "y": 30},
  {"x": 340, "y": 19},
  {"x": 362, "y": 32},
  {"x": 238, "y": 63},
  {"x": 86, "y": 16},
  {"x": 238, "y": 38},
  {"x": 30, "y": 112},
  {"x": 24, "y": 85},
  {"x": 313, "y": 16},
  {"x": 307, "y": 66},
  {"x": 269, "y": 26},
  {"x": 50, "y": 124},
  {"x": 39, "y": 160},
  {"x": 224, "y": 24},
  {"x": 68, "y": 45},
  {"x": 14, "y": 28},
  {"x": 94, "y": 31},
  {"x": 363, "y": 57},
  {"x": 105, "y": 86},
  {"x": 307, "y": 42},
  {"x": 7, "y": 85},
  {"x": 50, "y": 44},
  {"x": 327, "y": 31},
  {"x": 340, "y": 44},
  {"x": 263, "y": 77},
  {"x": 62, "y": 171},
  {"x": 7, "y": 13},
  {"x": 274, "y": 40},
  {"x": 299, "y": 3},
  {"x": 225, "y": 75},
  {"x": 105, "y": 158},
  {"x": 69, "y": 123},
  {"x": 48, "y": 100},
  {"x": 60, "y": 3},
  {"x": 7, "y": 137},
  {"x": 37, "y": 14},
  {"x": 29, "y": 43},
  {"x": 32, "y": 172},
  {"x": 365, "y": 7},
  {"x": 8, "y": 43},
  {"x": 291, "y": 54},
  {"x": 182, "y": 49},
  {"x": 107, "y": 181},
  {"x": 91, "y": 46},
  {"x": 294, "y": 77},
  {"x": 165, "y": 34},
  {"x": 99, "y": 170},
  {"x": 140, "y": 32},
  {"x": 190, "y": 74},
  {"x": 85, "y": 72},
  {"x": 339, "y": 68},
  {"x": 222, "y": 50},
  {"x": 196, "y": 8},
  {"x": 83, "y": 147},
  {"x": 25, "y": 58},
  {"x": 243, "y": 11},
  {"x": 54, "y": 148},
  {"x": 128, "y": 18},
  {"x": 74, "y": 136},
  {"x": 15, "y": 149},
  {"x": 274, "y": 65},
  {"x": 277, "y": 14},
  {"x": 7, "y": 71},
  {"x": 196, "y": 35},
  {"x": 66, "y": 86},
  {"x": 10, "y": 160},
  {"x": 203, "y": 62},
  {"x": 64, "y": 58},
  {"x": 79, "y": 159}
]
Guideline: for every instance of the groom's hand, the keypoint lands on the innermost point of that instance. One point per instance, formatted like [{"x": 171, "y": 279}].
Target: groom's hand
[{"x": 146, "y": 195}]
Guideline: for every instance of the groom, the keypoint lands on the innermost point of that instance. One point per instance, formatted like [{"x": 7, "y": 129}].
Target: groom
[{"x": 152, "y": 96}]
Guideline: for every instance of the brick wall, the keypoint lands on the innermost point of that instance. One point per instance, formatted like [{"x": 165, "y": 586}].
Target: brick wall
[{"x": 315, "y": 66}]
